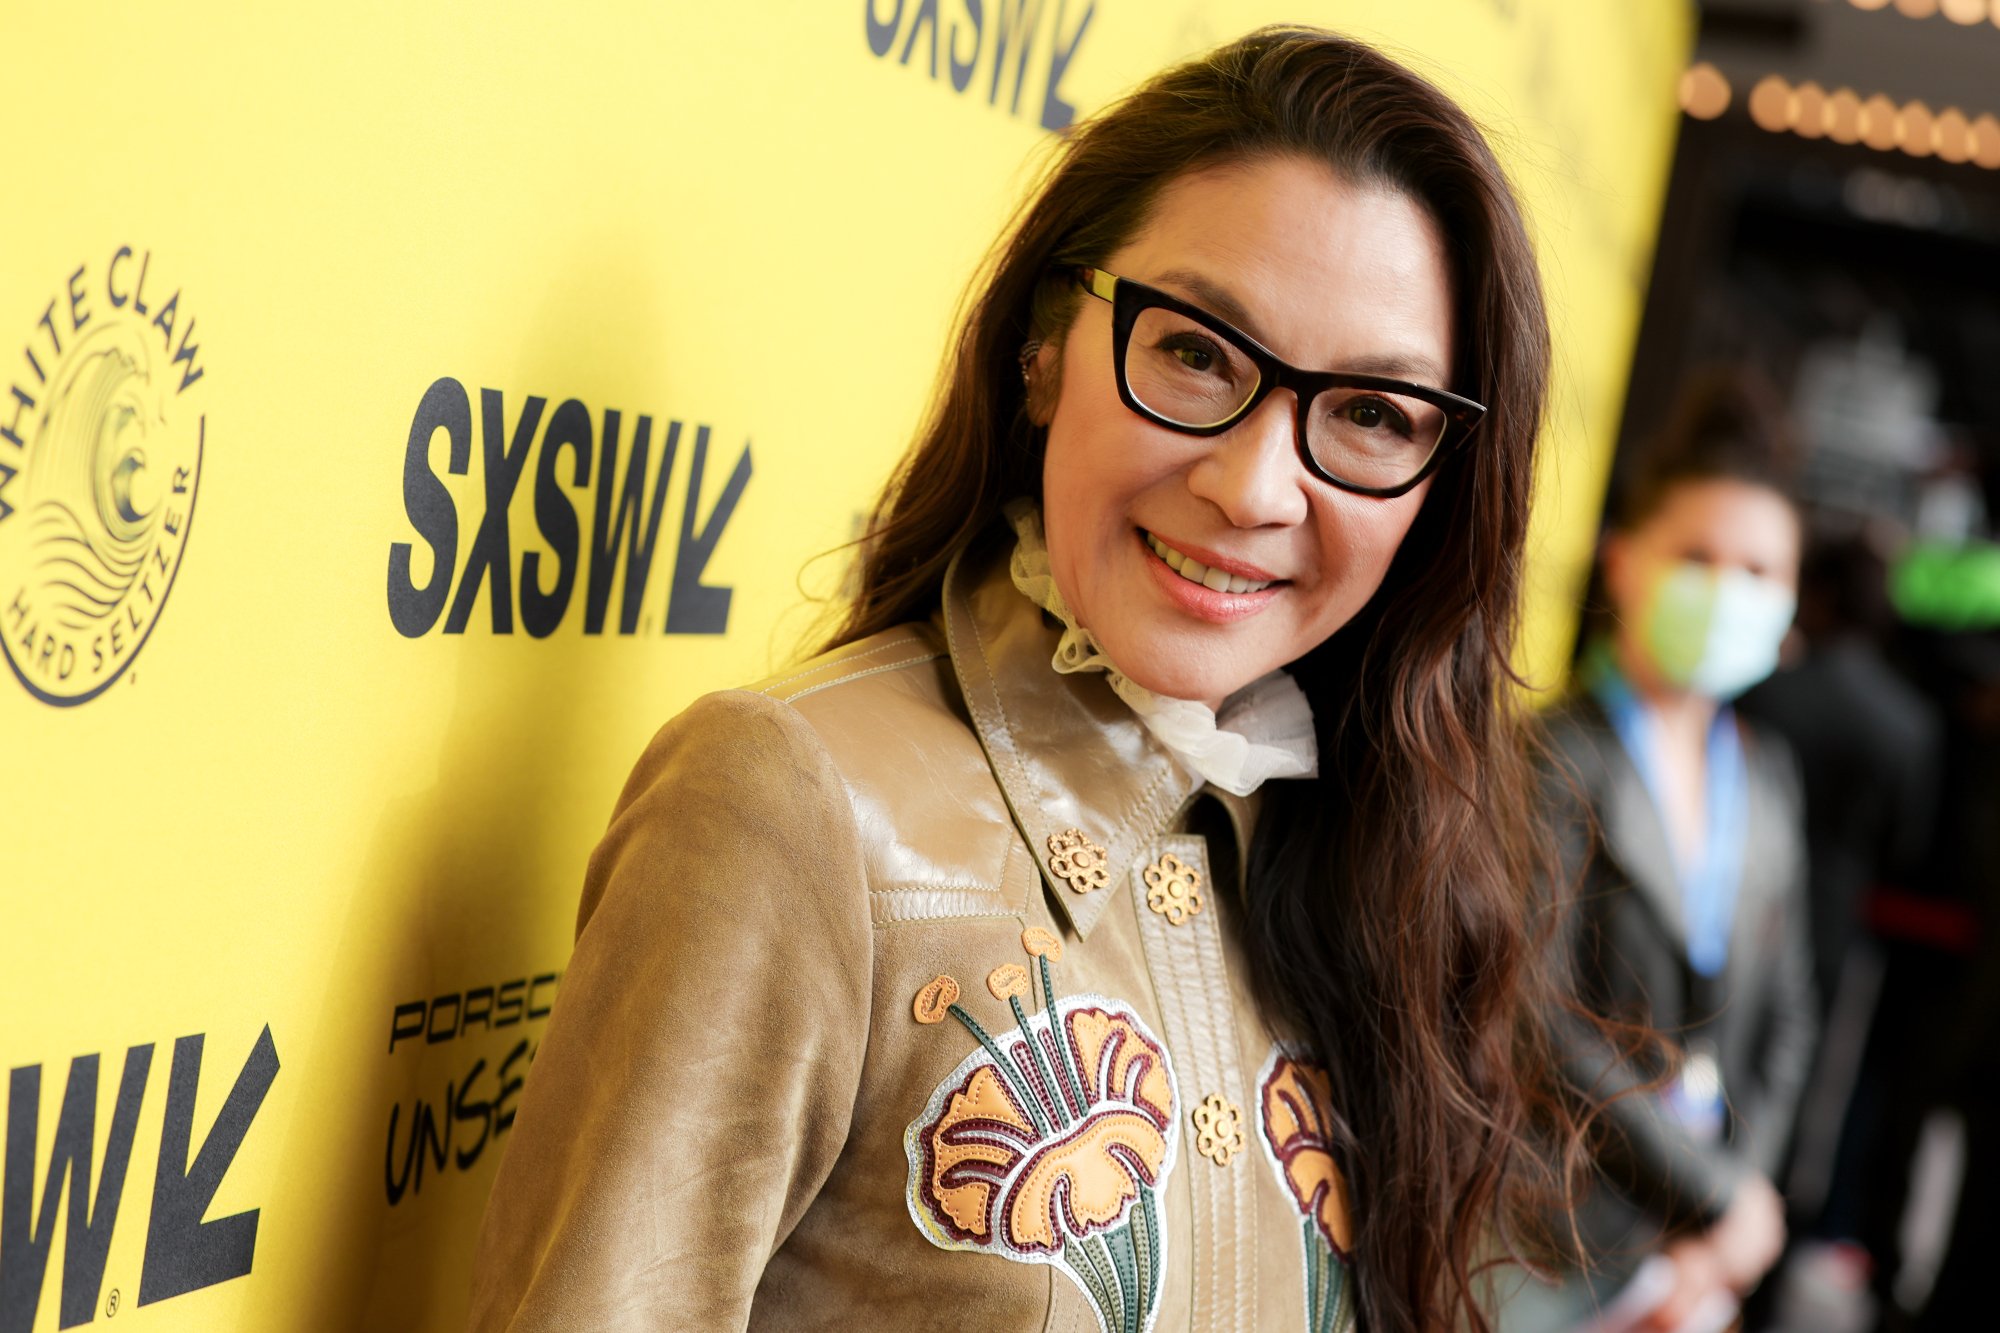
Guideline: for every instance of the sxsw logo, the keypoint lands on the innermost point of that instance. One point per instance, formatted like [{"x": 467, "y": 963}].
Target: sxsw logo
[
  {"x": 613, "y": 542},
  {"x": 183, "y": 1251},
  {"x": 994, "y": 43}
]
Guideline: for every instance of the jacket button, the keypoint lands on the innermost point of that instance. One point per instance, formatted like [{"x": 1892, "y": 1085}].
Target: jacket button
[
  {"x": 1218, "y": 1129},
  {"x": 1173, "y": 888},
  {"x": 1078, "y": 861}
]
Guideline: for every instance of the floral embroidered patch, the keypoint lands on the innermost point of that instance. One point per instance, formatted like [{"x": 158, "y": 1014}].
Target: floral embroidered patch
[
  {"x": 1295, "y": 1124},
  {"x": 1051, "y": 1144}
]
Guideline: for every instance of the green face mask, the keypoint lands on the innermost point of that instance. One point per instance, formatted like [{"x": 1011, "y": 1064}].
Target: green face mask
[{"x": 1714, "y": 631}]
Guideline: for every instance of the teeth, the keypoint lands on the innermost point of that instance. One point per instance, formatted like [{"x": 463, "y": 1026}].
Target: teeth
[{"x": 1194, "y": 571}]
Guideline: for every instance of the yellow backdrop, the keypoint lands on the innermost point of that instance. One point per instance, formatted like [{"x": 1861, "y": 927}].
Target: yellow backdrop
[{"x": 656, "y": 290}]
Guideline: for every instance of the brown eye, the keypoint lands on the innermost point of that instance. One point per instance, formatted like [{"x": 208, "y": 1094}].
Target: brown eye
[
  {"x": 1195, "y": 352},
  {"x": 1372, "y": 414}
]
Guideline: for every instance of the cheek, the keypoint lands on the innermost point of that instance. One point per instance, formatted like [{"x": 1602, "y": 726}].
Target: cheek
[
  {"x": 1099, "y": 460},
  {"x": 1359, "y": 537},
  {"x": 1083, "y": 491},
  {"x": 1627, "y": 578}
]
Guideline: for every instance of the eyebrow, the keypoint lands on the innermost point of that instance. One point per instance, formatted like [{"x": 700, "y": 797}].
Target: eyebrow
[{"x": 1218, "y": 300}]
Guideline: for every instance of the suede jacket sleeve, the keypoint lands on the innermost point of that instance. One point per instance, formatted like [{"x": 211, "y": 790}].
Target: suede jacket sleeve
[{"x": 697, "y": 1080}]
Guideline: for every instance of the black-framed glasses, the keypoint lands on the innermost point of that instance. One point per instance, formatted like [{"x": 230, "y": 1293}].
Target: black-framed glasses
[{"x": 1187, "y": 370}]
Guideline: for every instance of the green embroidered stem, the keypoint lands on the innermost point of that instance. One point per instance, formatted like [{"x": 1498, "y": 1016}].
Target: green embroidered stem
[
  {"x": 1041, "y": 1062},
  {"x": 1343, "y": 1298},
  {"x": 1107, "y": 1273},
  {"x": 1062, "y": 1038},
  {"x": 1147, "y": 1221},
  {"x": 1125, "y": 1258},
  {"x": 1315, "y": 1262},
  {"x": 1006, "y": 1066},
  {"x": 1093, "y": 1282}
]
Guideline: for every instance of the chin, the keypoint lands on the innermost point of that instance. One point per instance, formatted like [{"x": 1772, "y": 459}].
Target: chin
[{"x": 1190, "y": 681}]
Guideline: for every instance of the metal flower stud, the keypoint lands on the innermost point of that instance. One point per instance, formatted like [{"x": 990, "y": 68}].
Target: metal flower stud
[
  {"x": 1173, "y": 888},
  {"x": 1078, "y": 861},
  {"x": 1218, "y": 1129}
]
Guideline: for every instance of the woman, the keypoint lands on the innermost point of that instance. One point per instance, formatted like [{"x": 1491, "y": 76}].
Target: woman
[
  {"x": 1687, "y": 843},
  {"x": 973, "y": 975}
]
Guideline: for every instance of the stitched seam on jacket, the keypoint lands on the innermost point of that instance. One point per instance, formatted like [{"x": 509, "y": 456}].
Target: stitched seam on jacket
[
  {"x": 888, "y": 907},
  {"x": 969, "y": 886},
  {"x": 886, "y": 923},
  {"x": 1157, "y": 944},
  {"x": 1005, "y": 731},
  {"x": 1214, "y": 973},
  {"x": 902, "y": 640},
  {"x": 1144, "y": 805},
  {"x": 857, "y": 675},
  {"x": 1200, "y": 1186},
  {"x": 1190, "y": 981}
]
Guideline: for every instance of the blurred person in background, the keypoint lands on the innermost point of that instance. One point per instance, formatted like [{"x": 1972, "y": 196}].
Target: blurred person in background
[
  {"x": 1927, "y": 1119},
  {"x": 1682, "y": 825},
  {"x": 1868, "y": 744},
  {"x": 1953, "y": 1056},
  {"x": 1869, "y": 750}
]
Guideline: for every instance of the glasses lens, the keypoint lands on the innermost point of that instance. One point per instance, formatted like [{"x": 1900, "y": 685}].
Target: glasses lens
[
  {"x": 1372, "y": 438},
  {"x": 1186, "y": 372}
]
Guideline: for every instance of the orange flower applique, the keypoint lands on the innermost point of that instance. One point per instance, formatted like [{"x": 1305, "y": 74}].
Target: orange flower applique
[
  {"x": 1051, "y": 1144},
  {"x": 934, "y": 1001},
  {"x": 1295, "y": 1124},
  {"x": 1041, "y": 942},
  {"x": 1008, "y": 981}
]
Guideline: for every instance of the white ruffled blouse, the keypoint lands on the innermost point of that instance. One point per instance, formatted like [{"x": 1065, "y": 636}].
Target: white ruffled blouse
[{"x": 1265, "y": 729}]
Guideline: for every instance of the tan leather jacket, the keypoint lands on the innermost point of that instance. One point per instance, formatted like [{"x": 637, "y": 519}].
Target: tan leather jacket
[{"x": 803, "y": 1072}]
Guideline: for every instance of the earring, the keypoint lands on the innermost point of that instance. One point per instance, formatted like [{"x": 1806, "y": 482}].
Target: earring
[{"x": 1028, "y": 350}]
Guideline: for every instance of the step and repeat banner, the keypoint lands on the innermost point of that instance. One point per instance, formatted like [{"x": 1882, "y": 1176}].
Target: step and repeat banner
[{"x": 403, "y": 411}]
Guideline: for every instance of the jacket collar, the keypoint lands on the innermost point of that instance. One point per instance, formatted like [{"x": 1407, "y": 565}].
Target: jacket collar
[
  {"x": 1635, "y": 838},
  {"x": 1068, "y": 754}
]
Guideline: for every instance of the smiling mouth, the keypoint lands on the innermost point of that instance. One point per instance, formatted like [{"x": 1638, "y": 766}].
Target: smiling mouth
[{"x": 1191, "y": 569}]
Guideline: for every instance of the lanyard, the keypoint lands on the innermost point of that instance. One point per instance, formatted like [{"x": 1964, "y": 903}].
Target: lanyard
[{"x": 1709, "y": 886}]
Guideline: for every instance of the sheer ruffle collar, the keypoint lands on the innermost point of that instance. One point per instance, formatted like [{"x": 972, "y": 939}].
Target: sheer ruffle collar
[{"x": 1265, "y": 729}]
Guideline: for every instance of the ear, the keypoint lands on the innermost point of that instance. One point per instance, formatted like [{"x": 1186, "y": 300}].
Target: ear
[{"x": 1043, "y": 372}]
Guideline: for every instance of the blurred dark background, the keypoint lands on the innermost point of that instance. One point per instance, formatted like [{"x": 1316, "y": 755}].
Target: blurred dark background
[{"x": 1833, "y": 224}]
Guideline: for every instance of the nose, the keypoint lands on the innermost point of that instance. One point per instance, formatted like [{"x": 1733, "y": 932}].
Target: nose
[{"x": 1252, "y": 473}]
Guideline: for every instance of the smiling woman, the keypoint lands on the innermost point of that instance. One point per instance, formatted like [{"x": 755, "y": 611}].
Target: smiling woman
[{"x": 1166, "y": 741}]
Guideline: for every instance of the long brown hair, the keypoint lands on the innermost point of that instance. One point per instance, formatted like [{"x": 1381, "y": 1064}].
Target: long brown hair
[{"x": 1390, "y": 918}]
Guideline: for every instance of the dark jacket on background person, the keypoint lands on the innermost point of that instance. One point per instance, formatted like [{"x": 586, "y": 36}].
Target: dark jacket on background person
[
  {"x": 1870, "y": 750},
  {"x": 1625, "y": 935}
]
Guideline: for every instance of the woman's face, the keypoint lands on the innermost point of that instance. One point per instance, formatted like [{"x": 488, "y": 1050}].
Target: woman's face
[
  {"x": 1705, "y": 587},
  {"x": 1330, "y": 276},
  {"x": 1720, "y": 523}
]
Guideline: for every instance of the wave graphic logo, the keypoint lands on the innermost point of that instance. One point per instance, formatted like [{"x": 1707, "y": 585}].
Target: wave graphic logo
[{"x": 92, "y": 537}]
